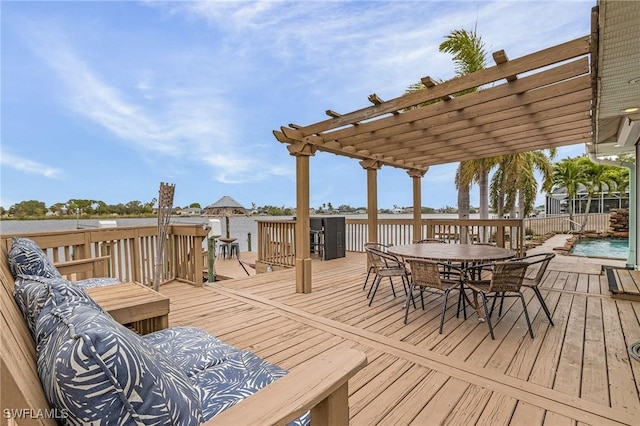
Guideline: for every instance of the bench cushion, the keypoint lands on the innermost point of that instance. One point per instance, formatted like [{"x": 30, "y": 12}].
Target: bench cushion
[
  {"x": 193, "y": 349},
  {"x": 242, "y": 374},
  {"x": 100, "y": 372},
  {"x": 33, "y": 293},
  {"x": 25, "y": 257}
]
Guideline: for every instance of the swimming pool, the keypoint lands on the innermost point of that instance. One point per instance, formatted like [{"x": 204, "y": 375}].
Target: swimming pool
[{"x": 616, "y": 248}]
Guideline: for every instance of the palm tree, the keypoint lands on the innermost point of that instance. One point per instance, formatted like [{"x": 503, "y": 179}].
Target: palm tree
[
  {"x": 569, "y": 174},
  {"x": 515, "y": 180},
  {"x": 598, "y": 178},
  {"x": 469, "y": 56}
]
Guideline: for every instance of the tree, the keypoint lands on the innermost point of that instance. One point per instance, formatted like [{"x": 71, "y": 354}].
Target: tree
[
  {"x": 30, "y": 208},
  {"x": 569, "y": 174},
  {"x": 515, "y": 180},
  {"x": 195, "y": 206},
  {"x": 469, "y": 56},
  {"x": 598, "y": 178}
]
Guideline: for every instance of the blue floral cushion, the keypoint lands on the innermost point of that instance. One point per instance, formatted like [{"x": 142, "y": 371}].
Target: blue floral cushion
[
  {"x": 35, "y": 294},
  {"x": 193, "y": 349},
  {"x": 242, "y": 374},
  {"x": 25, "y": 257},
  {"x": 99, "y": 372}
]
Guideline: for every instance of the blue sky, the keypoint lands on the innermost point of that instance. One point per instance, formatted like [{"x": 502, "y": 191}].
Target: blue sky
[{"x": 105, "y": 100}]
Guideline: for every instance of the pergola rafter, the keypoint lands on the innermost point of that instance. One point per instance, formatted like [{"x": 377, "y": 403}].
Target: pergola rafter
[{"x": 552, "y": 101}]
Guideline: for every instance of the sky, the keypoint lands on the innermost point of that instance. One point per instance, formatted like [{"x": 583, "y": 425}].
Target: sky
[{"x": 104, "y": 100}]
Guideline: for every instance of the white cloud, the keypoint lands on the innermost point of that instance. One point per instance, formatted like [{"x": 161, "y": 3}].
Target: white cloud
[{"x": 29, "y": 166}]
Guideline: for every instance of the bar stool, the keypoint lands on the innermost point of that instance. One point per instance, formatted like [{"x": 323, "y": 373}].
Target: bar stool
[
  {"x": 223, "y": 250},
  {"x": 234, "y": 248}
]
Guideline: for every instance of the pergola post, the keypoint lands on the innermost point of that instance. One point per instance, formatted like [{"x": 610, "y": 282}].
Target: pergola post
[
  {"x": 416, "y": 177},
  {"x": 372, "y": 167},
  {"x": 302, "y": 152}
]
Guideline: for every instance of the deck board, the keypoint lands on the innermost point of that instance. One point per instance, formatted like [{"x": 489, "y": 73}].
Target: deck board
[{"x": 576, "y": 372}]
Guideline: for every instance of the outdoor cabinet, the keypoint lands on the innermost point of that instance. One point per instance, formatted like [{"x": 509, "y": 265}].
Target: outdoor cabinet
[{"x": 332, "y": 236}]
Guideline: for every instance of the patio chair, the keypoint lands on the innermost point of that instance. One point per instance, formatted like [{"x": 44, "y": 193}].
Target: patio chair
[
  {"x": 378, "y": 246},
  {"x": 435, "y": 277},
  {"x": 431, "y": 240},
  {"x": 505, "y": 280},
  {"x": 386, "y": 265},
  {"x": 542, "y": 259}
]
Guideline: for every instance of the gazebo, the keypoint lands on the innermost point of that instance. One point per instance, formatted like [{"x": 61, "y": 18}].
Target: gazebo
[{"x": 562, "y": 95}]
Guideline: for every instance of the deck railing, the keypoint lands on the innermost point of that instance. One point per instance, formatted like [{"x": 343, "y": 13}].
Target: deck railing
[
  {"x": 501, "y": 232},
  {"x": 131, "y": 251},
  {"x": 276, "y": 243},
  {"x": 276, "y": 239},
  {"x": 561, "y": 224}
]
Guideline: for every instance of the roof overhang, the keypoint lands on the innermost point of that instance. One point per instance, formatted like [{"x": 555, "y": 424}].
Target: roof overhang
[{"x": 616, "y": 36}]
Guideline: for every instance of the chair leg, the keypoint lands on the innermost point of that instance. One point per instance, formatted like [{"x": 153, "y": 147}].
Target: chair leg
[
  {"x": 444, "y": 309},
  {"x": 526, "y": 314},
  {"x": 501, "y": 304},
  {"x": 487, "y": 316},
  {"x": 374, "y": 287},
  {"x": 393, "y": 289},
  {"x": 544, "y": 305},
  {"x": 364, "y": 286},
  {"x": 409, "y": 296},
  {"x": 371, "y": 288}
]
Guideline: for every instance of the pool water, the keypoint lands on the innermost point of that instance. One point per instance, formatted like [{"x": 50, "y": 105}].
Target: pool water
[{"x": 616, "y": 248}]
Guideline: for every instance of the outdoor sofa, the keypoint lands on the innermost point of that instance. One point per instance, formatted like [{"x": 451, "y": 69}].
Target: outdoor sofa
[{"x": 94, "y": 370}]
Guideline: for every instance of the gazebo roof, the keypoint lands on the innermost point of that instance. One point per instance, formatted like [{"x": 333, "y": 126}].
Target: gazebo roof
[
  {"x": 537, "y": 101},
  {"x": 225, "y": 202}
]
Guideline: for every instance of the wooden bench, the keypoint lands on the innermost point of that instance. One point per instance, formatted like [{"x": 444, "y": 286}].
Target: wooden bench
[{"x": 320, "y": 385}]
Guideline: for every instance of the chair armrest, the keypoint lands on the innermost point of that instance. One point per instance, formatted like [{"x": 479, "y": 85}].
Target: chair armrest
[
  {"x": 93, "y": 267},
  {"x": 319, "y": 385}
]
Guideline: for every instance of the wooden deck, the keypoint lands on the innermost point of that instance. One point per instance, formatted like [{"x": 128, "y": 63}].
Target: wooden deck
[{"x": 578, "y": 372}]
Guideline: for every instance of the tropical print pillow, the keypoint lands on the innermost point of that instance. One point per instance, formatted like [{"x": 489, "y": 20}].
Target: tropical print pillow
[
  {"x": 33, "y": 294},
  {"x": 99, "y": 372},
  {"x": 25, "y": 257}
]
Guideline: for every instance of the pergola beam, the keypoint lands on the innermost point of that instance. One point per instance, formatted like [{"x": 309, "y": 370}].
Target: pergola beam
[
  {"x": 543, "y": 58},
  {"x": 483, "y": 99}
]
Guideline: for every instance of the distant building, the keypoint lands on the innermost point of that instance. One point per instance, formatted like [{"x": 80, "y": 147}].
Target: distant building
[
  {"x": 602, "y": 202},
  {"x": 191, "y": 212}
]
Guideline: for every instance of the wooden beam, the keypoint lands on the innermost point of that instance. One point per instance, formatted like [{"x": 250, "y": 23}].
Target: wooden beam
[
  {"x": 543, "y": 58},
  {"x": 428, "y": 82},
  {"x": 552, "y": 76},
  {"x": 333, "y": 114},
  {"x": 469, "y": 126},
  {"x": 500, "y": 57},
  {"x": 477, "y": 112}
]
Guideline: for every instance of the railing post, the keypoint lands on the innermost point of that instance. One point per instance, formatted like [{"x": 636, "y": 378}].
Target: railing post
[{"x": 211, "y": 259}]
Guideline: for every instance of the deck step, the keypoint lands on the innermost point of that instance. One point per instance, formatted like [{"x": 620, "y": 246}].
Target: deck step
[{"x": 623, "y": 283}]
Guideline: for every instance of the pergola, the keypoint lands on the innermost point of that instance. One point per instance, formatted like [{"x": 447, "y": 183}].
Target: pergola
[{"x": 537, "y": 101}]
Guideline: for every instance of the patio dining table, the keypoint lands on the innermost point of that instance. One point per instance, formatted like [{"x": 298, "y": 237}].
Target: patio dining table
[
  {"x": 460, "y": 254},
  {"x": 454, "y": 253}
]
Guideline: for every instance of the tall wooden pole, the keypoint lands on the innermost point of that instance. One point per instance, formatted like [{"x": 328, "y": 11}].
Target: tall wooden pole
[
  {"x": 302, "y": 152},
  {"x": 372, "y": 167},
  {"x": 416, "y": 177}
]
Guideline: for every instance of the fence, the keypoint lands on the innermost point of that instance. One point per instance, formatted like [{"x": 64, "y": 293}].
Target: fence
[
  {"x": 501, "y": 232},
  {"x": 131, "y": 251},
  {"x": 562, "y": 225}
]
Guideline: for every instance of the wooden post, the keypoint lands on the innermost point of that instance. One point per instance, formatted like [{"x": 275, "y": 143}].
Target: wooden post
[
  {"x": 302, "y": 152},
  {"x": 372, "y": 166},
  {"x": 416, "y": 176}
]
